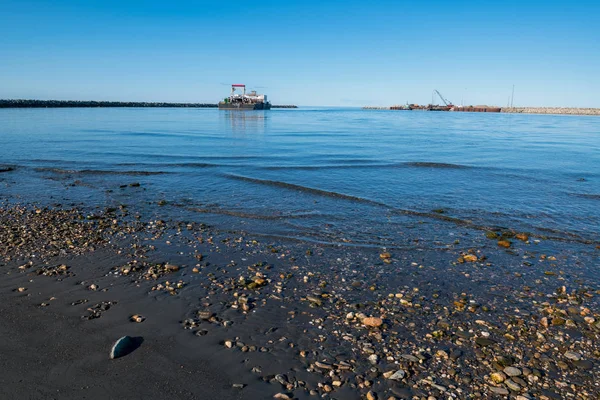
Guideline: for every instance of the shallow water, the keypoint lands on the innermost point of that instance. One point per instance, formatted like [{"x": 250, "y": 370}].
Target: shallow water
[{"x": 350, "y": 176}]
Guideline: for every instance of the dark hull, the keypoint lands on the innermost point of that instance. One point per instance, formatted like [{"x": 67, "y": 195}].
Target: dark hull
[{"x": 244, "y": 106}]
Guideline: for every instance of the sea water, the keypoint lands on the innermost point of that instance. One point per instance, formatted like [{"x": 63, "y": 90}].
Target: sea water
[{"x": 343, "y": 176}]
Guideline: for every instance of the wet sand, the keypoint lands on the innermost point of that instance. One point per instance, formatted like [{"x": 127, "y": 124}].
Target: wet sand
[{"x": 462, "y": 313}]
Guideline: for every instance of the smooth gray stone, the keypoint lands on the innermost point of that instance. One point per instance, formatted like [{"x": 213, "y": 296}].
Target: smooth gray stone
[{"x": 124, "y": 346}]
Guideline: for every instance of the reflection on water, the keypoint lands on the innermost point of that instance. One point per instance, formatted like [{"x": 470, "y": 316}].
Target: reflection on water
[{"x": 244, "y": 121}]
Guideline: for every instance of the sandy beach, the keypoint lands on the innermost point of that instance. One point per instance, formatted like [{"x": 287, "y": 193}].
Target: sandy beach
[{"x": 225, "y": 315}]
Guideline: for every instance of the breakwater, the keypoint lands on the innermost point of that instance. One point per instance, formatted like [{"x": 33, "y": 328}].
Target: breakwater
[
  {"x": 552, "y": 110},
  {"x": 94, "y": 104},
  {"x": 91, "y": 104}
]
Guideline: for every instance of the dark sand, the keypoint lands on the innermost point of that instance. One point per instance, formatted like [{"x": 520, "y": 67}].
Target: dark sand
[
  {"x": 288, "y": 317},
  {"x": 51, "y": 353}
]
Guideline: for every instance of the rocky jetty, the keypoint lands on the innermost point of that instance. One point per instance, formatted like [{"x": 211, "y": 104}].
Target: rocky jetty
[
  {"x": 92, "y": 104},
  {"x": 552, "y": 110},
  {"x": 96, "y": 104}
]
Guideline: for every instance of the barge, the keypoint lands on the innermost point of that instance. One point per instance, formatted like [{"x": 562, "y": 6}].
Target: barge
[{"x": 243, "y": 100}]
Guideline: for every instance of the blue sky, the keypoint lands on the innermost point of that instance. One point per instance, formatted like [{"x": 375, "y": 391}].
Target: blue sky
[{"x": 345, "y": 53}]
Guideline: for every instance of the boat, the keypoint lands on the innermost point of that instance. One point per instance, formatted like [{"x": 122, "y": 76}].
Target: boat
[{"x": 243, "y": 100}]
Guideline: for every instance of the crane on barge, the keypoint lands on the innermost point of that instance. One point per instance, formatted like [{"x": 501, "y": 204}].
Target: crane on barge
[{"x": 446, "y": 102}]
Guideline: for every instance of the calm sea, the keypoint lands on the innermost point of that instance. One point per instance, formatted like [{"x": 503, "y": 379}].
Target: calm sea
[{"x": 357, "y": 177}]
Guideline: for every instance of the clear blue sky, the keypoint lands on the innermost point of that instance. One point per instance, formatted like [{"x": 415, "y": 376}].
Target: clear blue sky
[{"x": 348, "y": 53}]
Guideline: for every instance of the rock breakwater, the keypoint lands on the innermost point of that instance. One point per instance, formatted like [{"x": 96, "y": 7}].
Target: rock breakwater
[
  {"x": 552, "y": 110},
  {"x": 96, "y": 104}
]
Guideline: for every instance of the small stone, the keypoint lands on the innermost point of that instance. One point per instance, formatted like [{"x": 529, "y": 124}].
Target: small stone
[
  {"x": 229, "y": 344},
  {"x": 21, "y": 289},
  {"x": 238, "y": 386},
  {"x": 373, "y": 359},
  {"x": 512, "y": 371},
  {"x": 571, "y": 355},
  {"x": 499, "y": 390},
  {"x": 371, "y": 395},
  {"x": 322, "y": 365},
  {"x": 123, "y": 346},
  {"x": 504, "y": 243},
  {"x": 583, "y": 364},
  {"x": 441, "y": 354},
  {"x": 372, "y": 322},
  {"x": 205, "y": 315},
  {"x": 171, "y": 268},
  {"x": 469, "y": 257},
  {"x": 522, "y": 236},
  {"x": 512, "y": 385},
  {"x": 314, "y": 300},
  {"x": 398, "y": 375},
  {"x": 410, "y": 358},
  {"x": 282, "y": 396},
  {"x": 498, "y": 377},
  {"x": 491, "y": 235},
  {"x": 137, "y": 318},
  {"x": 438, "y": 387}
]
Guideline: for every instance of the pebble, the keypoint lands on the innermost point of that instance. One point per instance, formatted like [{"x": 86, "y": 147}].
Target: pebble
[
  {"x": 470, "y": 257},
  {"x": 498, "y": 377},
  {"x": 372, "y": 322},
  {"x": 398, "y": 375},
  {"x": 122, "y": 347},
  {"x": 571, "y": 355},
  {"x": 482, "y": 341},
  {"x": 522, "y": 236},
  {"x": 323, "y": 365},
  {"x": 314, "y": 300},
  {"x": 504, "y": 243},
  {"x": 373, "y": 359},
  {"x": 410, "y": 357},
  {"x": 137, "y": 318},
  {"x": 371, "y": 395},
  {"x": 205, "y": 315},
  {"x": 512, "y": 385},
  {"x": 499, "y": 390},
  {"x": 583, "y": 364},
  {"x": 512, "y": 371}
]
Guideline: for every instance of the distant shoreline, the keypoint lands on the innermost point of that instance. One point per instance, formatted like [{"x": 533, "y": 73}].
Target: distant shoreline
[
  {"x": 106, "y": 104},
  {"x": 512, "y": 110}
]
